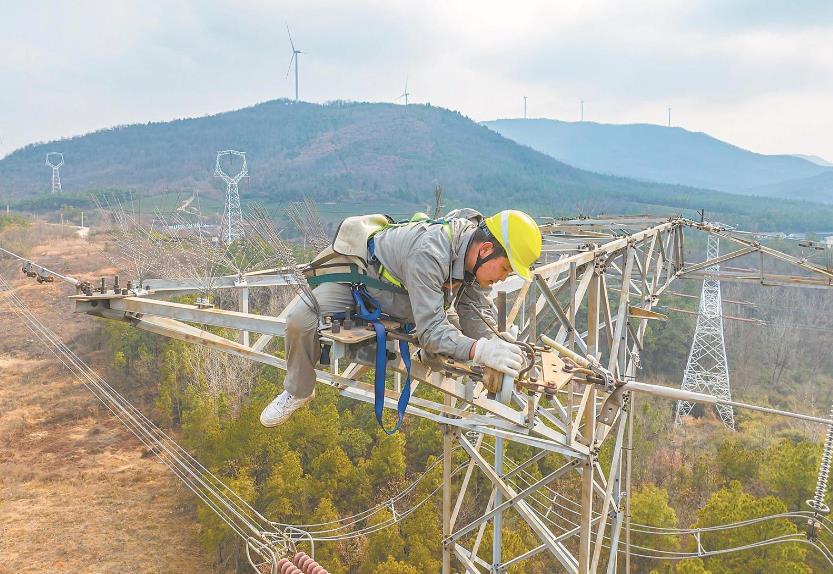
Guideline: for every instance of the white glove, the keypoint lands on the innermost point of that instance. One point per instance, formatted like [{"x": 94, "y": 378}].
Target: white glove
[
  {"x": 499, "y": 355},
  {"x": 512, "y": 333}
]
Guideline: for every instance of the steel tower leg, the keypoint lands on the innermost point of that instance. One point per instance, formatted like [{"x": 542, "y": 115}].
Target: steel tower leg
[{"x": 447, "y": 444}]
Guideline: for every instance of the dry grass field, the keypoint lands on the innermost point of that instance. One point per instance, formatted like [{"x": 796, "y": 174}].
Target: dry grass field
[{"x": 78, "y": 492}]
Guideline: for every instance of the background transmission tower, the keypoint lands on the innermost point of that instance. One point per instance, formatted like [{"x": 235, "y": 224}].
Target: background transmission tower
[
  {"x": 55, "y": 160},
  {"x": 233, "y": 216},
  {"x": 707, "y": 370}
]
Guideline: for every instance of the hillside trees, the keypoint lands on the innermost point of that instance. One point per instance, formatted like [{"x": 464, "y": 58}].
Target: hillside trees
[
  {"x": 733, "y": 504},
  {"x": 363, "y": 154},
  {"x": 649, "y": 507},
  {"x": 330, "y": 460}
]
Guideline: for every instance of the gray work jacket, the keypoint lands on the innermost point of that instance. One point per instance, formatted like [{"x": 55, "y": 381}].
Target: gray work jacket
[{"x": 423, "y": 259}]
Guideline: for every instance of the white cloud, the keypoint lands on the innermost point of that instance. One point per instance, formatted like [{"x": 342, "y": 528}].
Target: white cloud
[{"x": 756, "y": 75}]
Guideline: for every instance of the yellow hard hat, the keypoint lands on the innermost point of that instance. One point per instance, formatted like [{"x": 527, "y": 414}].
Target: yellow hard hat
[
  {"x": 419, "y": 216},
  {"x": 519, "y": 235}
]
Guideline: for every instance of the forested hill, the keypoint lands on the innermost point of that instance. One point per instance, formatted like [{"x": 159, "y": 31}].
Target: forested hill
[
  {"x": 657, "y": 153},
  {"x": 366, "y": 156}
]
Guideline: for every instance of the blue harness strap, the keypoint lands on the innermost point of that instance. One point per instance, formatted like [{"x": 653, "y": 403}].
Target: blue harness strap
[{"x": 363, "y": 299}]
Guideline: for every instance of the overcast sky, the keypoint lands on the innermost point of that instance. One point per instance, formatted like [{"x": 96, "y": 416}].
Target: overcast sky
[{"x": 756, "y": 73}]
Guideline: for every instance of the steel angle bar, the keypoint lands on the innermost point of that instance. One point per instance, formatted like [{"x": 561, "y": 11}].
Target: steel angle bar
[
  {"x": 511, "y": 420},
  {"x": 526, "y": 464},
  {"x": 608, "y": 494},
  {"x": 465, "y": 559},
  {"x": 604, "y": 301},
  {"x": 226, "y": 282},
  {"x": 519, "y": 301},
  {"x": 607, "y": 248},
  {"x": 190, "y": 313},
  {"x": 579, "y": 416},
  {"x": 600, "y": 481},
  {"x": 768, "y": 279},
  {"x": 482, "y": 530},
  {"x": 262, "y": 341},
  {"x": 563, "y": 423},
  {"x": 464, "y": 486},
  {"x": 561, "y": 553},
  {"x": 756, "y": 246},
  {"x": 184, "y": 332},
  {"x": 578, "y": 296},
  {"x": 635, "y": 289},
  {"x": 457, "y": 390},
  {"x": 716, "y": 260},
  {"x": 616, "y": 530},
  {"x": 538, "y": 549},
  {"x": 511, "y": 501},
  {"x": 549, "y": 297},
  {"x": 537, "y": 306},
  {"x": 619, "y": 334}
]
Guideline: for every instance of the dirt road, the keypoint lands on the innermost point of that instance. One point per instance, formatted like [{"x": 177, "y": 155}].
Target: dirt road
[{"x": 78, "y": 493}]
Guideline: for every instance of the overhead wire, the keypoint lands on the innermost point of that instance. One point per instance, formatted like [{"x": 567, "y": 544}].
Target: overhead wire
[
  {"x": 233, "y": 510},
  {"x": 519, "y": 479},
  {"x": 230, "y": 508}
]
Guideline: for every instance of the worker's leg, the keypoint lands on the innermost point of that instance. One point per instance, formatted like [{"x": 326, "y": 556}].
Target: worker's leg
[{"x": 301, "y": 339}]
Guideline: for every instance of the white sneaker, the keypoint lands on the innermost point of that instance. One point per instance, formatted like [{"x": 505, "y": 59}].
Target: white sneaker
[{"x": 281, "y": 408}]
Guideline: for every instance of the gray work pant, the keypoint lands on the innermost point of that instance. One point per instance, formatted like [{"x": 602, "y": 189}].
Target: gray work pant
[{"x": 303, "y": 349}]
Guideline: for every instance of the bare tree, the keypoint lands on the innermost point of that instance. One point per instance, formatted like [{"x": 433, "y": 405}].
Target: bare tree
[
  {"x": 267, "y": 239},
  {"x": 305, "y": 216},
  {"x": 135, "y": 247}
]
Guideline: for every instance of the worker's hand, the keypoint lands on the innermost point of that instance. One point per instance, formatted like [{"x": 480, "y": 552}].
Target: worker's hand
[{"x": 499, "y": 355}]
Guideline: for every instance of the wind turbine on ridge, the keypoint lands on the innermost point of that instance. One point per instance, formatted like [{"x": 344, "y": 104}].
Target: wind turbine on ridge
[
  {"x": 406, "y": 93},
  {"x": 294, "y": 59}
]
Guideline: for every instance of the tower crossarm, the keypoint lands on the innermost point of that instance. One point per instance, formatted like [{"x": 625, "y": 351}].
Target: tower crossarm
[{"x": 593, "y": 295}]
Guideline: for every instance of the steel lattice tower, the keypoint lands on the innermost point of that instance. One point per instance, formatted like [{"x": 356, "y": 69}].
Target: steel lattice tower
[
  {"x": 233, "y": 216},
  {"x": 707, "y": 370},
  {"x": 55, "y": 160}
]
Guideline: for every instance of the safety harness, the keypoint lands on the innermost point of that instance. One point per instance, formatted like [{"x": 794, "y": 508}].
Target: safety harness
[
  {"x": 369, "y": 310},
  {"x": 333, "y": 268}
]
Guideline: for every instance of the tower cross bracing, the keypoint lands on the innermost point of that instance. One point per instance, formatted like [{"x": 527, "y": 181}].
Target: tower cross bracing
[{"x": 589, "y": 307}]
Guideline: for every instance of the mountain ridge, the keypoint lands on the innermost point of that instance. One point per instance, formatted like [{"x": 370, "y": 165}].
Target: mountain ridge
[
  {"x": 659, "y": 154},
  {"x": 358, "y": 154}
]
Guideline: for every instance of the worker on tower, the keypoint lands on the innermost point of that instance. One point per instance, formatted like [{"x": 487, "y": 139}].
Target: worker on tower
[{"x": 418, "y": 272}]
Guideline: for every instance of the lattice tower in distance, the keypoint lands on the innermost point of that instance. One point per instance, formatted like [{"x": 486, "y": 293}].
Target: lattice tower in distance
[
  {"x": 707, "y": 370},
  {"x": 233, "y": 216},
  {"x": 55, "y": 160}
]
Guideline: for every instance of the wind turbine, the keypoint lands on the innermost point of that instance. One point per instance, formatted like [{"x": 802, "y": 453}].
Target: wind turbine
[
  {"x": 294, "y": 59},
  {"x": 406, "y": 93}
]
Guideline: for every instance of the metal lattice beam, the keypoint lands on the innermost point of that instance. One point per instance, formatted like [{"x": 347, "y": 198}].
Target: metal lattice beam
[{"x": 594, "y": 296}]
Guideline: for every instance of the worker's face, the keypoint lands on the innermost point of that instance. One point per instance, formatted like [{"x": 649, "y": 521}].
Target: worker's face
[{"x": 494, "y": 270}]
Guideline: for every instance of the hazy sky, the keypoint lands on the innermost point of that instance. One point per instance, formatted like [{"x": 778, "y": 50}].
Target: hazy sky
[{"x": 756, "y": 73}]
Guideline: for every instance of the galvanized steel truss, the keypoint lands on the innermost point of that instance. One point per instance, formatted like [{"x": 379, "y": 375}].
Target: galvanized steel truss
[{"x": 594, "y": 294}]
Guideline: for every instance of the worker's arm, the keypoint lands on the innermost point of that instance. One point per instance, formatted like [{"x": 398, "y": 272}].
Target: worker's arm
[
  {"x": 470, "y": 321},
  {"x": 424, "y": 278}
]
